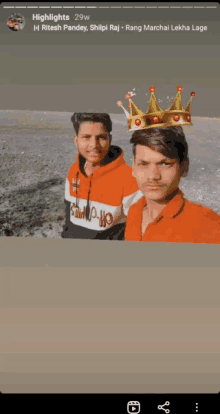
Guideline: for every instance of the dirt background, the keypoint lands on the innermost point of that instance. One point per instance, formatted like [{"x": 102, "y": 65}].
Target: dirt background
[{"x": 37, "y": 149}]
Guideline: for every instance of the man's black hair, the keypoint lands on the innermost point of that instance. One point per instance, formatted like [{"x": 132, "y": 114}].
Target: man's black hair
[
  {"x": 79, "y": 117},
  {"x": 169, "y": 141}
]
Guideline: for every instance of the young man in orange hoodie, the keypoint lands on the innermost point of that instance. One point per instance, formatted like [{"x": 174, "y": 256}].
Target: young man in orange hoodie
[
  {"x": 163, "y": 214},
  {"x": 99, "y": 186}
]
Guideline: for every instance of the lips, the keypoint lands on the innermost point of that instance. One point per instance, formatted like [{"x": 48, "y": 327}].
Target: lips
[
  {"x": 153, "y": 187},
  {"x": 94, "y": 152}
]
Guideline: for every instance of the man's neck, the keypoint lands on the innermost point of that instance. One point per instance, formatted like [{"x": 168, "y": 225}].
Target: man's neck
[
  {"x": 90, "y": 168},
  {"x": 153, "y": 209}
]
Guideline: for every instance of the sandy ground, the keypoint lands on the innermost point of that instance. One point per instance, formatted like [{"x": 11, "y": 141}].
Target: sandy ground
[{"x": 37, "y": 149}]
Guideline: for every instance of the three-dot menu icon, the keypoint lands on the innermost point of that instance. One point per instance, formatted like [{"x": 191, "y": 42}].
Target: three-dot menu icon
[{"x": 197, "y": 407}]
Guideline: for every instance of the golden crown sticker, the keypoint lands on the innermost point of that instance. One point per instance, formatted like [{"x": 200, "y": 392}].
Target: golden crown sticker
[{"x": 156, "y": 117}]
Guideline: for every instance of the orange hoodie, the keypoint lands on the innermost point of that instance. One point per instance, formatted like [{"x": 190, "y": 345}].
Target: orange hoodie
[
  {"x": 181, "y": 221},
  {"x": 94, "y": 202}
]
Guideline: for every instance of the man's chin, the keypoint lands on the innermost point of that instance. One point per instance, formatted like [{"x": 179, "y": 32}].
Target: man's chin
[
  {"x": 157, "y": 196},
  {"x": 94, "y": 158}
]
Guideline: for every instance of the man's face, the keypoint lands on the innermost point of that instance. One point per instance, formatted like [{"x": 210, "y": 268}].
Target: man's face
[
  {"x": 157, "y": 176},
  {"x": 93, "y": 141}
]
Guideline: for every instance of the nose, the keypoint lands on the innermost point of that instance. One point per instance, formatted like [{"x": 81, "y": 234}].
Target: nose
[
  {"x": 93, "y": 142},
  {"x": 154, "y": 172}
]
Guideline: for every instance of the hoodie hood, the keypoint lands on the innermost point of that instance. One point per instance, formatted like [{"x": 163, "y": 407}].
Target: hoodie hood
[{"x": 114, "y": 158}]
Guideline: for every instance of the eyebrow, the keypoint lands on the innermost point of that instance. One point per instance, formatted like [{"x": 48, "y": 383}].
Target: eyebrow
[
  {"x": 159, "y": 162},
  {"x": 100, "y": 135}
]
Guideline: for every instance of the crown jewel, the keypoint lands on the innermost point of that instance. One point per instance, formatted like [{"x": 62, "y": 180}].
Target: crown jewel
[{"x": 156, "y": 117}]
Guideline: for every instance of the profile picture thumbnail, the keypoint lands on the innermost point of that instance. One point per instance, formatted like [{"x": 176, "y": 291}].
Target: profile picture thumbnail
[{"x": 16, "y": 22}]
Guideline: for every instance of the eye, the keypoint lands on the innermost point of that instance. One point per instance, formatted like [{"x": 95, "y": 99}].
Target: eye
[
  {"x": 103, "y": 137},
  {"x": 167, "y": 164},
  {"x": 142, "y": 163}
]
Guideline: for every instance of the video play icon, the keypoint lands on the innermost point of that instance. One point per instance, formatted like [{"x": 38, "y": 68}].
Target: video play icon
[{"x": 133, "y": 407}]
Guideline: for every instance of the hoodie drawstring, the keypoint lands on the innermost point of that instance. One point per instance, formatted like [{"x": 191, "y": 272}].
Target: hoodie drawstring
[
  {"x": 87, "y": 207},
  {"x": 77, "y": 175}
]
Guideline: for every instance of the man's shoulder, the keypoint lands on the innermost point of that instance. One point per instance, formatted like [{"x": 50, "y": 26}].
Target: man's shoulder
[
  {"x": 205, "y": 223},
  {"x": 126, "y": 168},
  {"x": 138, "y": 205},
  {"x": 72, "y": 169},
  {"x": 125, "y": 172},
  {"x": 200, "y": 212}
]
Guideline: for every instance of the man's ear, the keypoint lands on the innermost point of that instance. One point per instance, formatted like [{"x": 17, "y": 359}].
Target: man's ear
[
  {"x": 76, "y": 140},
  {"x": 184, "y": 169}
]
